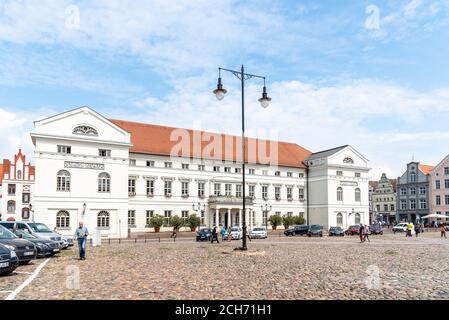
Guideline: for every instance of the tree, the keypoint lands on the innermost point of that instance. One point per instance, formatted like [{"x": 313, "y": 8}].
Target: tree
[
  {"x": 156, "y": 222},
  {"x": 299, "y": 220},
  {"x": 288, "y": 221},
  {"x": 193, "y": 222},
  {"x": 275, "y": 221},
  {"x": 176, "y": 222}
]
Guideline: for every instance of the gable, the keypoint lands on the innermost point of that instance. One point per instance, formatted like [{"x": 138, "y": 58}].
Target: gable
[{"x": 348, "y": 156}]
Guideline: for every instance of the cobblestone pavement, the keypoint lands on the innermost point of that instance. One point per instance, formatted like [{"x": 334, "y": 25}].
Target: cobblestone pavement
[{"x": 389, "y": 267}]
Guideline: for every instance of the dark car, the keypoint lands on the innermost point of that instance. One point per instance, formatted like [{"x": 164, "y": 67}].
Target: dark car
[
  {"x": 315, "y": 230},
  {"x": 204, "y": 234},
  {"x": 8, "y": 260},
  {"x": 297, "y": 230},
  {"x": 336, "y": 231},
  {"x": 45, "y": 248},
  {"x": 25, "y": 250},
  {"x": 353, "y": 230},
  {"x": 376, "y": 229}
]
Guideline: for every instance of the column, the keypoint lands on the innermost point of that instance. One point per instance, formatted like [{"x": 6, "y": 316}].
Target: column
[
  {"x": 217, "y": 217},
  {"x": 229, "y": 218},
  {"x": 240, "y": 217}
]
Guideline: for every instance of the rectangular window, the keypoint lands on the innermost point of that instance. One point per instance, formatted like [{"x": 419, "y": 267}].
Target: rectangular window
[
  {"x": 437, "y": 184},
  {"x": 446, "y": 199},
  {"x": 422, "y": 203},
  {"x": 238, "y": 191},
  {"x": 201, "y": 189},
  {"x": 167, "y": 165},
  {"x": 185, "y": 166},
  {"x": 385, "y": 207},
  {"x": 132, "y": 187},
  {"x": 391, "y": 207},
  {"x": 403, "y": 205},
  {"x": 357, "y": 175},
  {"x": 26, "y": 198},
  {"x": 217, "y": 189},
  {"x": 185, "y": 214},
  {"x": 251, "y": 191},
  {"x": 446, "y": 170},
  {"x": 238, "y": 170},
  {"x": 252, "y": 171},
  {"x": 277, "y": 173},
  {"x": 265, "y": 172},
  {"x": 289, "y": 193},
  {"x": 301, "y": 193},
  {"x": 339, "y": 173},
  {"x": 104, "y": 153},
  {"x": 378, "y": 207},
  {"x": 227, "y": 169},
  {"x": 446, "y": 183},
  {"x": 412, "y": 191},
  {"x": 277, "y": 193},
  {"x": 131, "y": 218},
  {"x": 201, "y": 167},
  {"x": 167, "y": 188},
  {"x": 301, "y": 175},
  {"x": 422, "y": 190},
  {"x": 289, "y": 174},
  {"x": 278, "y": 213},
  {"x": 403, "y": 192},
  {"x": 184, "y": 189},
  {"x": 11, "y": 189},
  {"x": 228, "y": 189},
  {"x": 412, "y": 204},
  {"x": 132, "y": 162},
  {"x": 150, "y": 163},
  {"x": 264, "y": 217},
  {"x": 65, "y": 149},
  {"x": 167, "y": 216},
  {"x": 149, "y": 215},
  {"x": 216, "y": 169},
  {"x": 150, "y": 188},
  {"x": 265, "y": 192}
]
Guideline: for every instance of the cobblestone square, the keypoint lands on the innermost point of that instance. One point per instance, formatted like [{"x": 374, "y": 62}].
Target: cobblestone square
[{"x": 389, "y": 267}]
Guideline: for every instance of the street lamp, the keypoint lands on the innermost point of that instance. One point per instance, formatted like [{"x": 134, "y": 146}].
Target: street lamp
[
  {"x": 84, "y": 210},
  {"x": 265, "y": 210},
  {"x": 32, "y": 212},
  {"x": 220, "y": 92}
]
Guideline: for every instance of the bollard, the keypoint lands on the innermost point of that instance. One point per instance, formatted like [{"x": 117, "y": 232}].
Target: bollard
[{"x": 135, "y": 241}]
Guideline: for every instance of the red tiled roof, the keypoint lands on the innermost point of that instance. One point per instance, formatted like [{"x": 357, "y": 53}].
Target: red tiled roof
[
  {"x": 1, "y": 173},
  {"x": 426, "y": 169},
  {"x": 155, "y": 139}
]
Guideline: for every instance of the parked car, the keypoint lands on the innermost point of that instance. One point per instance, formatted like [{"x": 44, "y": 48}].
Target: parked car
[
  {"x": 315, "y": 230},
  {"x": 400, "y": 227},
  {"x": 45, "y": 248},
  {"x": 352, "y": 230},
  {"x": 8, "y": 260},
  {"x": 37, "y": 229},
  {"x": 25, "y": 250},
  {"x": 336, "y": 231},
  {"x": 376, "y": 229},
  {"x": 204, "y": 234},
  {"x": 236, "y": 233},
  {"x": 259, "y": 233},
  {"x": 297, "y": 230}
]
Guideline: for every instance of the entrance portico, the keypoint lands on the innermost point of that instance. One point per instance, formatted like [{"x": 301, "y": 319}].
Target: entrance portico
[{"x": 227, "y": 211}]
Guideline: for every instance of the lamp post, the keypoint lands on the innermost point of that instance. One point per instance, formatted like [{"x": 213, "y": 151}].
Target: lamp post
[
  {"x": 84, "y": 210},
  {"x": 199, "y": 207},
  {"x": 32, "y": 212},
  {"x": 220, "y": 92},
  {"x": 265, "y": 210}
]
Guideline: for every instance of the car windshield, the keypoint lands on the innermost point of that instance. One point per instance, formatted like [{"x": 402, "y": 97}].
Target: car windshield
[
  {"x": 6, "y": 234},
  {"x": 234, "y": 229},
  {"x": 205, "y": 230},
  {"x": 39, "y": 227},
  {"x": 315, "y": 227},
  {"x": 258, "y": 229},
  {"x": 25, "y": 235}
]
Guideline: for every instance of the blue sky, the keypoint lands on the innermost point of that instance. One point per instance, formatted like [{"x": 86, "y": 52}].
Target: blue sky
[{"x": 373, "y": 74}]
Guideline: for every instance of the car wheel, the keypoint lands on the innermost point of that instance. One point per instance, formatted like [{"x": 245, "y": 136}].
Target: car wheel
[{"x": 24, "y": 262}]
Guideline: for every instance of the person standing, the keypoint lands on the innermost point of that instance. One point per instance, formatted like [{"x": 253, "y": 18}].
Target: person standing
[
  {"x": 248, "y": 233},
  {"x": 409, "y": 229},
  {"x": 81, "y": 234},
  {"x": 223, "y": 233},
  {"x": 362, "y": 233},
  {"x": 417, "y": 229},
  {"x": 366, "y": 233},
  {"x": 229, "y": 234},
  {"x": 174, "y": 234},
  {"x": 443, "y": 230},
  {"x": 214, "y": 235}
]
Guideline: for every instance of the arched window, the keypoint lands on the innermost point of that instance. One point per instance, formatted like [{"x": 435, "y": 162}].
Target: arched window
[
  {"x": 11, "y": 206},
  {"x": 25, "y": 213},
  {"x": 348, "y": 160},
  {"x": 104, "y": 182},
  {"x": 339, "y": 194},
  {"x": 19, "y": 174},
  {"x": 339, "y": 219},
  {"x": 357, "y": 218},
  {"x": 85, "y": 130},
  {"x": 63, "y": 219},
  {"x": 63, "y": 181},
  {"x": 357, "y": 195},
  {"x": 103, "y": 219}
]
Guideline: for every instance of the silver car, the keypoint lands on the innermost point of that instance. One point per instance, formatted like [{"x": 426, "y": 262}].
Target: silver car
[{"x": 38, "y": 230}]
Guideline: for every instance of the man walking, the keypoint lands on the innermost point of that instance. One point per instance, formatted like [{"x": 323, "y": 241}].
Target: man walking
[
  {"x": 214, "y": 236},
  {"x": 81, "y": 235}
]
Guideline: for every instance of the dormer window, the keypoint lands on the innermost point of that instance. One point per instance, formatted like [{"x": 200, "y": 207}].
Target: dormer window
[
  {"x": 348, "y": 160},
  {"x": 85, "y": 130}
]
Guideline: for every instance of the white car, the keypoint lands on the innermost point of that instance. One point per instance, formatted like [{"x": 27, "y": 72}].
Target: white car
[
  {"x": 402, "y": 227},
  {"x": 258, "y": 233},
  {"x": 236, "y": 233}
]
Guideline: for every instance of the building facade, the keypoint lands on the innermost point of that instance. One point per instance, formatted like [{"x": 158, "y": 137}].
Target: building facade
[
  {"x": 384, "y": 200},
  {"x": 16, "y": 188},
  {"x": 439, "y": 187},
  {"x": 413, "y": 192},
  {"x": 115, "y": 175}
]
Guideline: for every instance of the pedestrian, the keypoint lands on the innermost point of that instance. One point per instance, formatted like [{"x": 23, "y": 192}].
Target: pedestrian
[
  {"x": 248, "y": 233},
  {"x": 174, "y": 234},
  {"x": 229, "y": 234},
  {"x": 362, "y": 233},
  {"x": 443, "y": 230},
  {"x": 81, "y": 234},
  {"x": 409, "y": 229},
  {"x": 366, "y": 233},
  {"x": 418, "y": 229},
  {"x": 223, "y": 233},
  {"x": 214, "y": 235}
]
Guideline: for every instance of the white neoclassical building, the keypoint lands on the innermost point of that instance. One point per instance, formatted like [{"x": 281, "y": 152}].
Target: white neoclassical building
[{"x": 114, "y": 175}]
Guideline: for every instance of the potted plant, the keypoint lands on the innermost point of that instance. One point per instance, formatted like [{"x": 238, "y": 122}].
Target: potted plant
[
  {"x": 299, "y": 220},
  {"x": 275, "y": 221},
  {"x": 287, "y": 221},
  {"x": 156, "y": 222},
  {"x": 177, "y": 222},
  {"x": 193, "y": 222}
]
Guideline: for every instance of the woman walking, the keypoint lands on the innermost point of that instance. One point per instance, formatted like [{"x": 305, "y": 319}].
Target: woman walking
[
  {"x": 366, "y": 233},
  {"x": 362, "y": 233}
]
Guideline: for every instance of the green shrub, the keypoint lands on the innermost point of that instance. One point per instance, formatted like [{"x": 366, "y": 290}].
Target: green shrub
[
  {"x": 177, "y": 222},
  {"x": 275, "y": 221},
  {"x": 156, "y": 221},
  {"x": 193, "y": 222}
]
